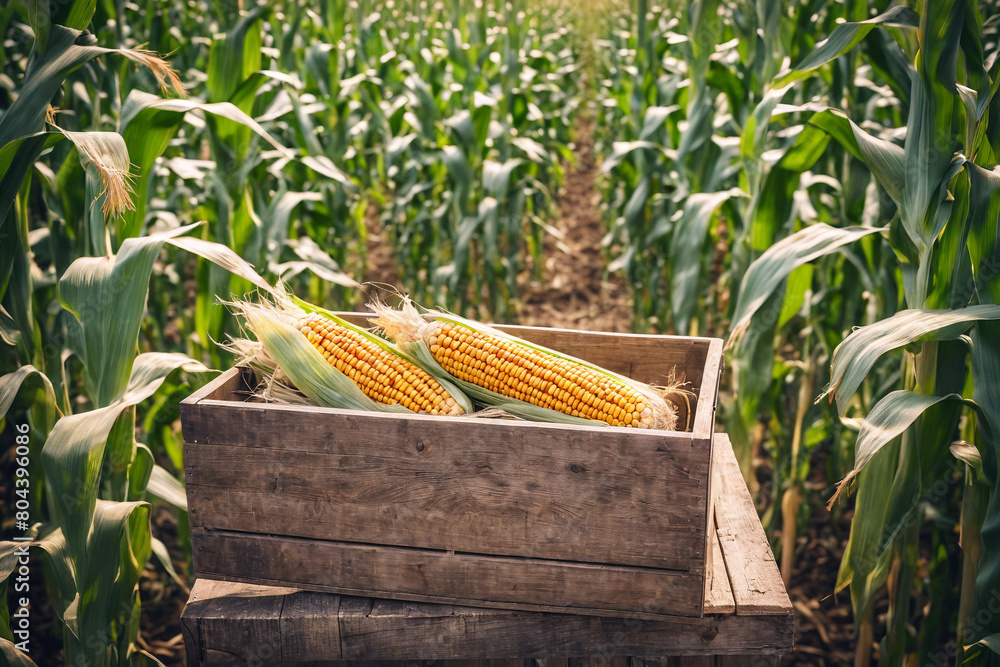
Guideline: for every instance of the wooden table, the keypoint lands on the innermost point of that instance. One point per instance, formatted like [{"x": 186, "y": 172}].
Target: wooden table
[{"x": 748, "y": 617}]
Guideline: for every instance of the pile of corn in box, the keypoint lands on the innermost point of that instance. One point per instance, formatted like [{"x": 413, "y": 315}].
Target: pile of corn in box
[{"x": 440, "y": 459}]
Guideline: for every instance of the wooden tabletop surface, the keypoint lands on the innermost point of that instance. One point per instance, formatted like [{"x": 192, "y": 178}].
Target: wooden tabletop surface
[{"x": 747, "y": 613}]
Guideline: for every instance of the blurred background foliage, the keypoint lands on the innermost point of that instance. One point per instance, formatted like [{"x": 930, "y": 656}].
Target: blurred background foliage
[{"x": 797, "y": 177}]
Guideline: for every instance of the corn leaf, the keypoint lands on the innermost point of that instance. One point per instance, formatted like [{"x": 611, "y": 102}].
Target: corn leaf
[
  {"x": 9, "y": 333},
  {"x": 72, "y": 457},
  {"x": 983, "y": 234},
  {"x": 166, "y": 487},
  {"x": 844, "y": 38},
  {"x": 16, "y": 159},
  {"x": 889, "y": 418},
  {"x": 27, "y": 387},
  {"x": 8, "y": 563},
  {"x": 622, "y": 149},
  {"x": 12, "y": 655},
  {"x": 865, "y": 563},
  {"x": 929, "y": 150},
  {"x": 313, "y": 259},
  {"x": 150, "y": 370},
  {"x": 766, "y": 274},
  {"x": 231, "y": 61},
  {"x": 854, "y": 358},
  {"x": 117, "y": 551},
  {"x": 107, "y": 295},
  {"x": 148, "y": 123},
  {"x": 686, "y": 246},
  {"x": 758, "y": 123},
  {"x": 139, "y": 472},
  {"x": 76, "y": 448},
  {"x": 221, "y": 256},
  {"x": 886, "y": 160},
  {"x": 43, "y": 80},
  {"x": 52, "y": 543},
  {"x": 985, "y": 371}
]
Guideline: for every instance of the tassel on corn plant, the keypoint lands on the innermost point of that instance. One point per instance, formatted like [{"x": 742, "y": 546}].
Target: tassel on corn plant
[
  {"x": 339, "y": 365},
  {"x": 527, "y": 380}
]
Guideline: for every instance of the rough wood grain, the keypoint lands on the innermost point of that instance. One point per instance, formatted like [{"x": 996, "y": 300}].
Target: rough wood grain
[
  {"x": 310, "y": 626},
  {"x": 674, "y": 661},
  {"x": 767, "y": 660},
  {"x": 309, "y": 428},
  {"x": 235, "y": 623},
  {"x": 719, "y": 592},
  {"x": 438, "y": 576},
  {"x": 389, "y": 630},
  {"x": 753, "y": 574},
  {"x": 581, "y": 501},
  {"x": 704, "y": 417},
  {"x": 221, "y": 387}
]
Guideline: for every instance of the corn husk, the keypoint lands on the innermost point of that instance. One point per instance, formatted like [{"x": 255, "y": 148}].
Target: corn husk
[
  {"x": 287, "y": 361},
  {"x": 409, "y": 330}
]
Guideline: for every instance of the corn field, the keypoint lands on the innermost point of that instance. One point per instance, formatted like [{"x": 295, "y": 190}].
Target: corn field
[{"x": 816, "y": 182}]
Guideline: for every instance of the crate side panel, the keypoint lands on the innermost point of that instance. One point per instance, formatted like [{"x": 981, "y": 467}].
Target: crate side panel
[
  {"x": 585, "y": 494},
  {"x": 309, "y": 428},
  {"x": 443, "y": 577},
  {"x": 602, "y": 503}
]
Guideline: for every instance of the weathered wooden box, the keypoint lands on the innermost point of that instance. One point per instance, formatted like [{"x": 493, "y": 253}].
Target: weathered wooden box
[{"x": 484, "y": 512}]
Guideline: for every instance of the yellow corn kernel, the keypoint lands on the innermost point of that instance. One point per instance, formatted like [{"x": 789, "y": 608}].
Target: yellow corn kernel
[{"x": 381, "y": 375}]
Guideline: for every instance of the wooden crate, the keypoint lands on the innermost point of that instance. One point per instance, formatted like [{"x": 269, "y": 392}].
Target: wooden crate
[
  {"x": 498, "y": 513},
  {"x": 748, "y": 617}
]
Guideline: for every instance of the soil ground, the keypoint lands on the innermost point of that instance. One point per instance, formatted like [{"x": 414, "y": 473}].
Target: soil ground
[{"x": 574, "y": 292}]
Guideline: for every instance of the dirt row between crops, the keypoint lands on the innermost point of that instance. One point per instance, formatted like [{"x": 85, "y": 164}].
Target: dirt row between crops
[{"x": 573, "y": 291}]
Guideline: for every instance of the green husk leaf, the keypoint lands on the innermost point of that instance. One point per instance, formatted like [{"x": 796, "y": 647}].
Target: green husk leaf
[
  {"x": 435, "y": 370},
  {"x": 305, "y": 366}
]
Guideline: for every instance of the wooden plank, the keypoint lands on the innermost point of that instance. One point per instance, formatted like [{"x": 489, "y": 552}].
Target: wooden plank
[
  {"x": 234, "y": 623},
  {"x": 437, "y": 576},
  {"x": 753, "y": 573},
  {"x": 674, "y": 661},
  {"x": 221, "y": 387},
  {"x": 388, "y": 630},
  {"x": 310, "y": 626},
  {"x": 719, "y": 592},
  {"x": 708, "y": 389},
  {"x": 436, "y": 631},
  {"x": 767, "y": 660},
  {"x": 550, "y": 490},
  {"x": 226, "y": 422},
  {"x": 599, "y": 661},
  {"x": 586, "y": 501}
]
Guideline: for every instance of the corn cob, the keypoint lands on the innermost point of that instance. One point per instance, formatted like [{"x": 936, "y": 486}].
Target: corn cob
[
  {"x": 517, "y": 370},
  {"x": 381, "y": 375}
]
